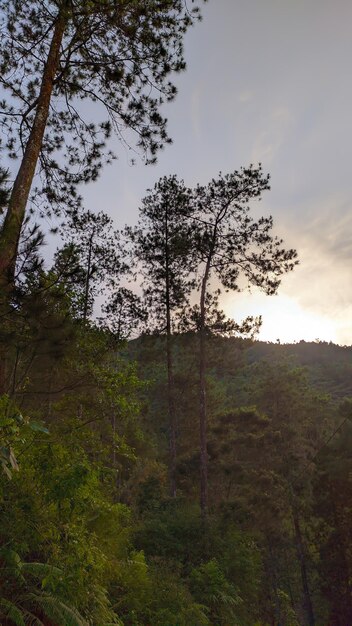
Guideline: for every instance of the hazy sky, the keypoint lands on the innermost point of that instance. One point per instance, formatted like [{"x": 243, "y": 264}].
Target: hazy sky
[{"x": 269, "y": 81}]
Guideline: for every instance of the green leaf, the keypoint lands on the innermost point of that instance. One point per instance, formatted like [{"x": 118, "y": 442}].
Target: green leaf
[
  {"x": 56, "y": 610},
  {"x": 13, "y": 460},
  {"x": 42, "y": 571},
  {"x": 6, "y": 470},
  {"x": 19, "y": 418},
  {"x": 37, "y": 427},
  {"x": 12, "y": 612}
]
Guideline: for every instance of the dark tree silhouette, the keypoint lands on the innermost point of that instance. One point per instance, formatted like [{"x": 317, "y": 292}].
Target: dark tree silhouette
[
  {"x": 56, "y": 54},
  {"x": 162, "y": 244},
  {"x": 237, "y": 251}
]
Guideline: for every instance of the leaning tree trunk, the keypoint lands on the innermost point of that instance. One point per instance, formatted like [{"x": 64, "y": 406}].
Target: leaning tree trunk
[{"x": 11, "y": 229}]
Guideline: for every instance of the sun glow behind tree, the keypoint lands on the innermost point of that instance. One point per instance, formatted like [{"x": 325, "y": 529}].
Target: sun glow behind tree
[{"x": 283, "y": 319}]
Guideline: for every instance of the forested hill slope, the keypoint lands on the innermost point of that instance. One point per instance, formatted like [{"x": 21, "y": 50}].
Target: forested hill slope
[
  {"x": 328, "y": 366},
  {"x": 279, "y": 463}
]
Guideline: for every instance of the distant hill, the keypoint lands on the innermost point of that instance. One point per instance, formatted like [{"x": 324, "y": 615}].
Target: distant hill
[{"x": 329, "y": 366}]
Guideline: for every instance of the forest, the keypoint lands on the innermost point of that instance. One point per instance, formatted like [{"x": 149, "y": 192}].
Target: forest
[{"x": 159, "y": 465}]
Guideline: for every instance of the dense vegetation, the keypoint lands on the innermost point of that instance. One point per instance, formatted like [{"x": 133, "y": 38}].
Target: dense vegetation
[
  {"x": 89, "y": 532},
  {"x": 189, "y": 476}
]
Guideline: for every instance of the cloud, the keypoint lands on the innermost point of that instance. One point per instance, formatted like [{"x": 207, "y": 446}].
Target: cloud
[
  {"x": 283, "y": 318},
  {"x": 246, "y": 96},
  {"x": 322, "y": 285},
  {"x": 272, "y": 135},
  {"x": 315, "y": 300}
]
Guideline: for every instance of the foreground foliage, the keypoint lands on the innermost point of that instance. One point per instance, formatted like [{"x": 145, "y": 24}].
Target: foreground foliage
[{"x": 89, "y": 534}]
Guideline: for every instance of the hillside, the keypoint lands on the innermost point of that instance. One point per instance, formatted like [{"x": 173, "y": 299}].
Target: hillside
[{"x": 328, "y": 366}]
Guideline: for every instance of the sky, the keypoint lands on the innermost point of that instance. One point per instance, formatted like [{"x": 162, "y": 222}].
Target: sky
[{"x": 268, "y": 81}]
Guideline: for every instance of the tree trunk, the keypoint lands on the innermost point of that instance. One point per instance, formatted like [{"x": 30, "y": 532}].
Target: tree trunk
[
  {"x": 87, "y": 284},
  {"x": 342, "y": 604},
  {"x": 202, "y": 367},
  {"x": 169, "y": 364},
  {"x": 11, "y": 230},
  {"x": 172, "y": 416},
  {"x": 202, "y": 399},
  {"x": 302, "y": 561},
  {"x": 272, "y": 575}
]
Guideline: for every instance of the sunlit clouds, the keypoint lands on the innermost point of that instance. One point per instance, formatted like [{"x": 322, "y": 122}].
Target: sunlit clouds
[{"x": 283, "y": 318}]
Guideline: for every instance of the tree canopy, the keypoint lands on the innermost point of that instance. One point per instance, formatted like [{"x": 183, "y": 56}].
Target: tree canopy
[{"x": 57, "y": 55}]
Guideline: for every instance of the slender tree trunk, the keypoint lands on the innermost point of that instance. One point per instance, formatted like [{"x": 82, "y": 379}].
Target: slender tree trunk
[
  {"x": 3, "y": 369},
  {"x": 172, "y": 415},
  {"x": 86, "y": 289},
  {"x": 273, "y": 576},
  {"x": 202, "y": 367},
  {"x": 170, "y": 369},
  {"x": 302, "y": 561},
  {"x": 344, "y": 602},
  {"x": 289, "y": 585},
  {"x": 11, "y": 230},
  {"x": 203, "y": 399}
]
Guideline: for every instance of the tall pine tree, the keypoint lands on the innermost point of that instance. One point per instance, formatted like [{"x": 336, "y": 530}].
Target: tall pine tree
[
  {"x": 237, "y": 251},
  {"x": 56, "y": 54},
  {"x": 162, "y": 245}
]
